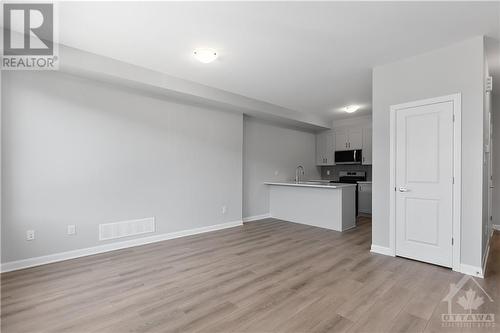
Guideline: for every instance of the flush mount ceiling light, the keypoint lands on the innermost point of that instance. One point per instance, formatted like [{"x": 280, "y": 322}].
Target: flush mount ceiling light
[
  {"x": 205, "y": 55},
  {"x": 350, "y": 108}
]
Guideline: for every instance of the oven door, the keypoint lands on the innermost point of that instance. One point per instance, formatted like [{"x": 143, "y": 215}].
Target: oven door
[{"x": 348, "y": 157}]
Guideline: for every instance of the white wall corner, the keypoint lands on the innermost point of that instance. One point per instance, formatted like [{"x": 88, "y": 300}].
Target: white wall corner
[
  {"x": 471, "y": 270},
  {"x": 256, "y": 218},
  {"x": 382, "y": 250},
  {"x": 487, "y": 252},
  {"x": 56, "y": 257}
]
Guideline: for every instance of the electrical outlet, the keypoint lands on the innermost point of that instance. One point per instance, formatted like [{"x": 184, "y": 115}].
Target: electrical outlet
[
  {"x": 224, "y": 210},
  {"x": 328, "y": 172},
  {"x": 276, "y": 172},
  {"x": 30, "y": 235},
  {"x": 71, "y": 229}
]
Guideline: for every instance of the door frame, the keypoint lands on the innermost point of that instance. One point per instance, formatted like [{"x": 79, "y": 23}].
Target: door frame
[{"x": 457, "y": 172}]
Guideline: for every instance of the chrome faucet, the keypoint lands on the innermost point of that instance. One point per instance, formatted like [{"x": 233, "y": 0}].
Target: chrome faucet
[{"x": 299, "y": 171}]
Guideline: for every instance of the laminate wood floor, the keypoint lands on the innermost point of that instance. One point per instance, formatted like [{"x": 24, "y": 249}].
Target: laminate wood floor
[{"x": 266, "y": 276}]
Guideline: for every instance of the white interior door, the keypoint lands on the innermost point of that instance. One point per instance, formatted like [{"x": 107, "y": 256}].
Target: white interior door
[{"x": 424, "y": 183}]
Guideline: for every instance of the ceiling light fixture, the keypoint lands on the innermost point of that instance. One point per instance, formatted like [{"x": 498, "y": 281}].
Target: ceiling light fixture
[
  {"x": 205, "y": 55},
  {"x": 351, "y": 108}
]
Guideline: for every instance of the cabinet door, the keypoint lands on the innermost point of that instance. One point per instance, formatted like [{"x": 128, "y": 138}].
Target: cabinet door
[
  {"x": 321, "y": 143},
  {"x": 367, "y": 146},
  {"x": 355, "y": 138},
  {"x": 330, "y": 148},
  {"x": 365, "y": 198},
  {"x": 341, "y": 141}
]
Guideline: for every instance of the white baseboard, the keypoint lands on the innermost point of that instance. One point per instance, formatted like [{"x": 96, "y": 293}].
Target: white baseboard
[
  {"x": 471, "y": 270},
  {"x": 51, "y": 258},
  {"x": 464, "y": 268},
  {"x": 256, "y": 217},
  {"x": 382, "y": 250}
]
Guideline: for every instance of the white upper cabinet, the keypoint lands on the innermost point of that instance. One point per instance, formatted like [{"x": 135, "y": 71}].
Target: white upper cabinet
[
  {"x": 320, "y": 148},
  {"x": 349, "y": 138},
  {"x": 355, "y": 138},
  {"x": 341, "y": 139},
  {"x": 325, "y": 148},
  {"x": 367, "y": 146}
]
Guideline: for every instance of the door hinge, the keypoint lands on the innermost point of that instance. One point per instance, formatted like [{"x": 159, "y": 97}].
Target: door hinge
[
  {"x": 453, "y": 180},
  {"x": 451, "y": 240},
  {"x": 395, "y": 190},
  {"x": 453, "y": 117}
]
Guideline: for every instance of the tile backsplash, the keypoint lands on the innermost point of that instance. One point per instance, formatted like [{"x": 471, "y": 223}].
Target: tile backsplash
[{"x": 335, "y": 169}]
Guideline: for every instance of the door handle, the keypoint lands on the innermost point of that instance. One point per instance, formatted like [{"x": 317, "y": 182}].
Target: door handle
[{"x": 403, "y": 189}]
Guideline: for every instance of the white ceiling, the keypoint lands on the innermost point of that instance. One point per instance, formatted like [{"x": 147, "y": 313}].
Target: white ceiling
[{"x": 306, "y": 56}]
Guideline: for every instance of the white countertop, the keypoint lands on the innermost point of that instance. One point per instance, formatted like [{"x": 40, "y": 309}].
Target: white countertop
[{"x": 316, "y": 184}]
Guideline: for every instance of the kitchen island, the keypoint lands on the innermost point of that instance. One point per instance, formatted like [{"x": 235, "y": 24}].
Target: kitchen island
[{"x": 320, "y": 204}]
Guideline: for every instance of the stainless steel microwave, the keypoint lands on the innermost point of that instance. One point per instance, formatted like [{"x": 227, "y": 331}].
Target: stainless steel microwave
[{"x": 348, "y": 157}]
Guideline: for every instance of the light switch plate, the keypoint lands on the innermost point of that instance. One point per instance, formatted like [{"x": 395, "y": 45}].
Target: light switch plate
[{"x": 71, "y": 229}]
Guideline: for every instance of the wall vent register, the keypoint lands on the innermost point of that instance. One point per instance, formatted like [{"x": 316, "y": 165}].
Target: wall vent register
[{"x": 121, "y": 229}]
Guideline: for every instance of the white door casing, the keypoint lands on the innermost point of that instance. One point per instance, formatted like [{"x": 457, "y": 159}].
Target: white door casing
[{"x": 425, "y": 184}]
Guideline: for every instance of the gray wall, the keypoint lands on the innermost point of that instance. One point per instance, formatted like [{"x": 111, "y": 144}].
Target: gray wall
[
  {"x": 454, "y": 69},
  {"x": 80, "y": 152},
  {"x": 487, "y": 223},
  {"x": 269, "y": 149}
]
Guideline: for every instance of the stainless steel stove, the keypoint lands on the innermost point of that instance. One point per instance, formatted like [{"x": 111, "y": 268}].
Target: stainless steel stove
[{"x": 352, "y": 177}]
